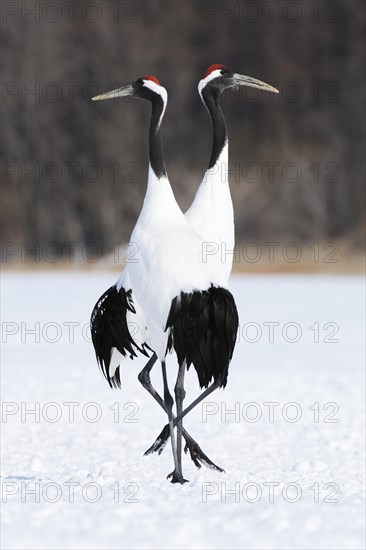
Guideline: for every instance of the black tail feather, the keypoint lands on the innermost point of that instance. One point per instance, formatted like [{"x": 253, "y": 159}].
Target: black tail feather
[
  {"x": 202, "y": 329},
  {"x": 109, "y": 329}
]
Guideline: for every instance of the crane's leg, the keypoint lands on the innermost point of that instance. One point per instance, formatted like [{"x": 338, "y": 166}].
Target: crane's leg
[
  {"x": 160, "y": 442},
  {"x": 177, "y": 476},
  {"x": 195, "y": 451},
  {"x": 180, "y": 394},
  {"x": 168, "y": 400}
]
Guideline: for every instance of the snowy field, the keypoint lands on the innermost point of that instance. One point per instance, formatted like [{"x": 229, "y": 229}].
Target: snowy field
[{"x": 288, "y": 429}]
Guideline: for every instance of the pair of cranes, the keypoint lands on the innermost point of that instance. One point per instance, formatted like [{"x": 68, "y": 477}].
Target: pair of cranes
[{"x": 178, "y": 301}]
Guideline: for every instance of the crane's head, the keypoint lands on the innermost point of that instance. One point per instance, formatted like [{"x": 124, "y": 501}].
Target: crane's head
[
  {"x": 147, "y": 87},
  {"x": 218, "y": 78}
]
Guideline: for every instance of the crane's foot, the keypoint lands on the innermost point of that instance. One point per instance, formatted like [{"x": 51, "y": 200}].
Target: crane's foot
[
  {"x": 176, "y": 477},
  {"x": 197, "y": 455},
  {"x": 160, "y": 442}
]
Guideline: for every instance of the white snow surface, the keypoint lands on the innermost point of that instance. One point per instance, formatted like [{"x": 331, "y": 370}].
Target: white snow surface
[{"x": 316, "y": 462}]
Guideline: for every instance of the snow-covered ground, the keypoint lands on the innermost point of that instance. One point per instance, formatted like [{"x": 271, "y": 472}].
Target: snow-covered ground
[{"x": 288, "y": 429}]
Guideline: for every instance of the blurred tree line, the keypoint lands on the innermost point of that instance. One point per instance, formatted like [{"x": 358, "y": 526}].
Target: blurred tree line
[{"x": 75, "y": 171}]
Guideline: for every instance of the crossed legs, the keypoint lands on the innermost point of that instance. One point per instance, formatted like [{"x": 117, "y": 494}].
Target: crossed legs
[{"x": 196, "y": 453}]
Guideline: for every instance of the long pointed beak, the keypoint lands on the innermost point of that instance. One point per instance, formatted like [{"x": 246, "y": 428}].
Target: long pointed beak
[
  {"x": 243, "y": 80},
  {"x": 126, "y": 90}
]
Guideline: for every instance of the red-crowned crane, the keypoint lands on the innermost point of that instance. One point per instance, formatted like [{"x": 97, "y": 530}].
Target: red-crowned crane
[
  {"x": 178, "y": 301},
  {"x": 211, "y": 213}
]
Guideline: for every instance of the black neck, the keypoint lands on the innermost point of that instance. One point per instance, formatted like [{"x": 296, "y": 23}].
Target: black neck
[
  {"x": 155, "y": 138},
  {"x": 211, "y": 99}
]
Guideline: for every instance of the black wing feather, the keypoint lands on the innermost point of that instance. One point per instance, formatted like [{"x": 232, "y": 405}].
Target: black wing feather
[
  {"x": 109, "y": 329},
  {"x": 202, "y": 329}
]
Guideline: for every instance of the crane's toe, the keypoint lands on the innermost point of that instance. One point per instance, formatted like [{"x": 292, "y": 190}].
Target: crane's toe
[
  {"x": 160, "y": 442},
  {"x": 176, "y": 477},
  {"x": 199, "y": 457}
]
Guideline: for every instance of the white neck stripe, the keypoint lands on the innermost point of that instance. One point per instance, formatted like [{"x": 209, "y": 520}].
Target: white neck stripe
[{"x": 161, "y": 92}]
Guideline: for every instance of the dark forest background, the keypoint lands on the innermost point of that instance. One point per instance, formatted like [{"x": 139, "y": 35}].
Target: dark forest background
[{"x": 75, "y": 171}]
